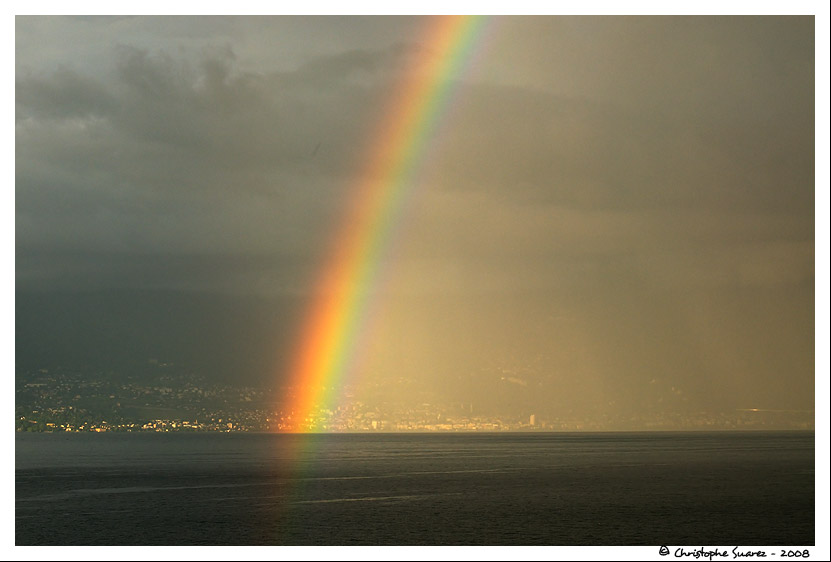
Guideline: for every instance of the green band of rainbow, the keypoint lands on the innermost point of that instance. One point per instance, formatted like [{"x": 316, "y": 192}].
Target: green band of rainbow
[{"x": 359, "y": 247}]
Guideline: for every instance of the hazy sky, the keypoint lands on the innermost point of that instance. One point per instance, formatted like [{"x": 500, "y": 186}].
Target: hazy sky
[{"x": 619, "y": 211}]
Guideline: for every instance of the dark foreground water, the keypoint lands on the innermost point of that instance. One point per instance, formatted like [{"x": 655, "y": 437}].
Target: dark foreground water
[{"x": 406, "y": 489}]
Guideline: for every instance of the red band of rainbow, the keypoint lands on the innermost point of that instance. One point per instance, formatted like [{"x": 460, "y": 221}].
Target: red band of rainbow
[{"x": 351, "y": 269}]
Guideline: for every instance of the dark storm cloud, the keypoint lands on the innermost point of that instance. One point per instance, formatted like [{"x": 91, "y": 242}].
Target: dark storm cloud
[
  {"x": 206, "y": 113},
  {"x": 612, "y": 208},
  {"x": 174, "y": 157},
  {"x": 190, "y": 152},
  {"x": 63, "y": 95}
]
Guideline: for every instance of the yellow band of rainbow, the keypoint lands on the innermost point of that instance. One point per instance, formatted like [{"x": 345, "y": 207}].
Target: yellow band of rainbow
[{"x": 358, "y": 248}]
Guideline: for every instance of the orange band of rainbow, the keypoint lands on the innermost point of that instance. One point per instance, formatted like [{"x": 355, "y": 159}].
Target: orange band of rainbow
[{"x": 351, "y": 268}]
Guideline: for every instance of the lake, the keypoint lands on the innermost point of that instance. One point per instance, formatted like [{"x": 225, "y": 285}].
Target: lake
[{"x": 742, "y": 488}]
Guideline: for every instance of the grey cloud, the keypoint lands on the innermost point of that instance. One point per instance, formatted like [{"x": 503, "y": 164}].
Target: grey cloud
[
  {"x": 354, "y": 67},
  {"x": 177, "y": 156},
  {"x": 663, "y": 65},
  {"x": 183, "y": 152},
  {"x": 608, "y": 201},
  {"x": 546, "y": 148},
  {"x": 233, "y": 274},
  {"x": 64, "y": 94}
]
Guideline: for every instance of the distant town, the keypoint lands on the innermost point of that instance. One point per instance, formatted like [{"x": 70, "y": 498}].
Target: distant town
[{"x": 65, "y": 401}]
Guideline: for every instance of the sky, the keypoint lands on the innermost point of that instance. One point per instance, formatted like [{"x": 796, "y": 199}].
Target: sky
[{"x": 616, "y": 214}]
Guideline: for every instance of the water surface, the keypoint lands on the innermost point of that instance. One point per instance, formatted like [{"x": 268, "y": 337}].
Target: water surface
[{"x": 745, "y": 488}]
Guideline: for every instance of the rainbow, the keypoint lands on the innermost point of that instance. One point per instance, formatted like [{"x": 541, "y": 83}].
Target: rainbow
[{"x": 351, "y": 270}]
